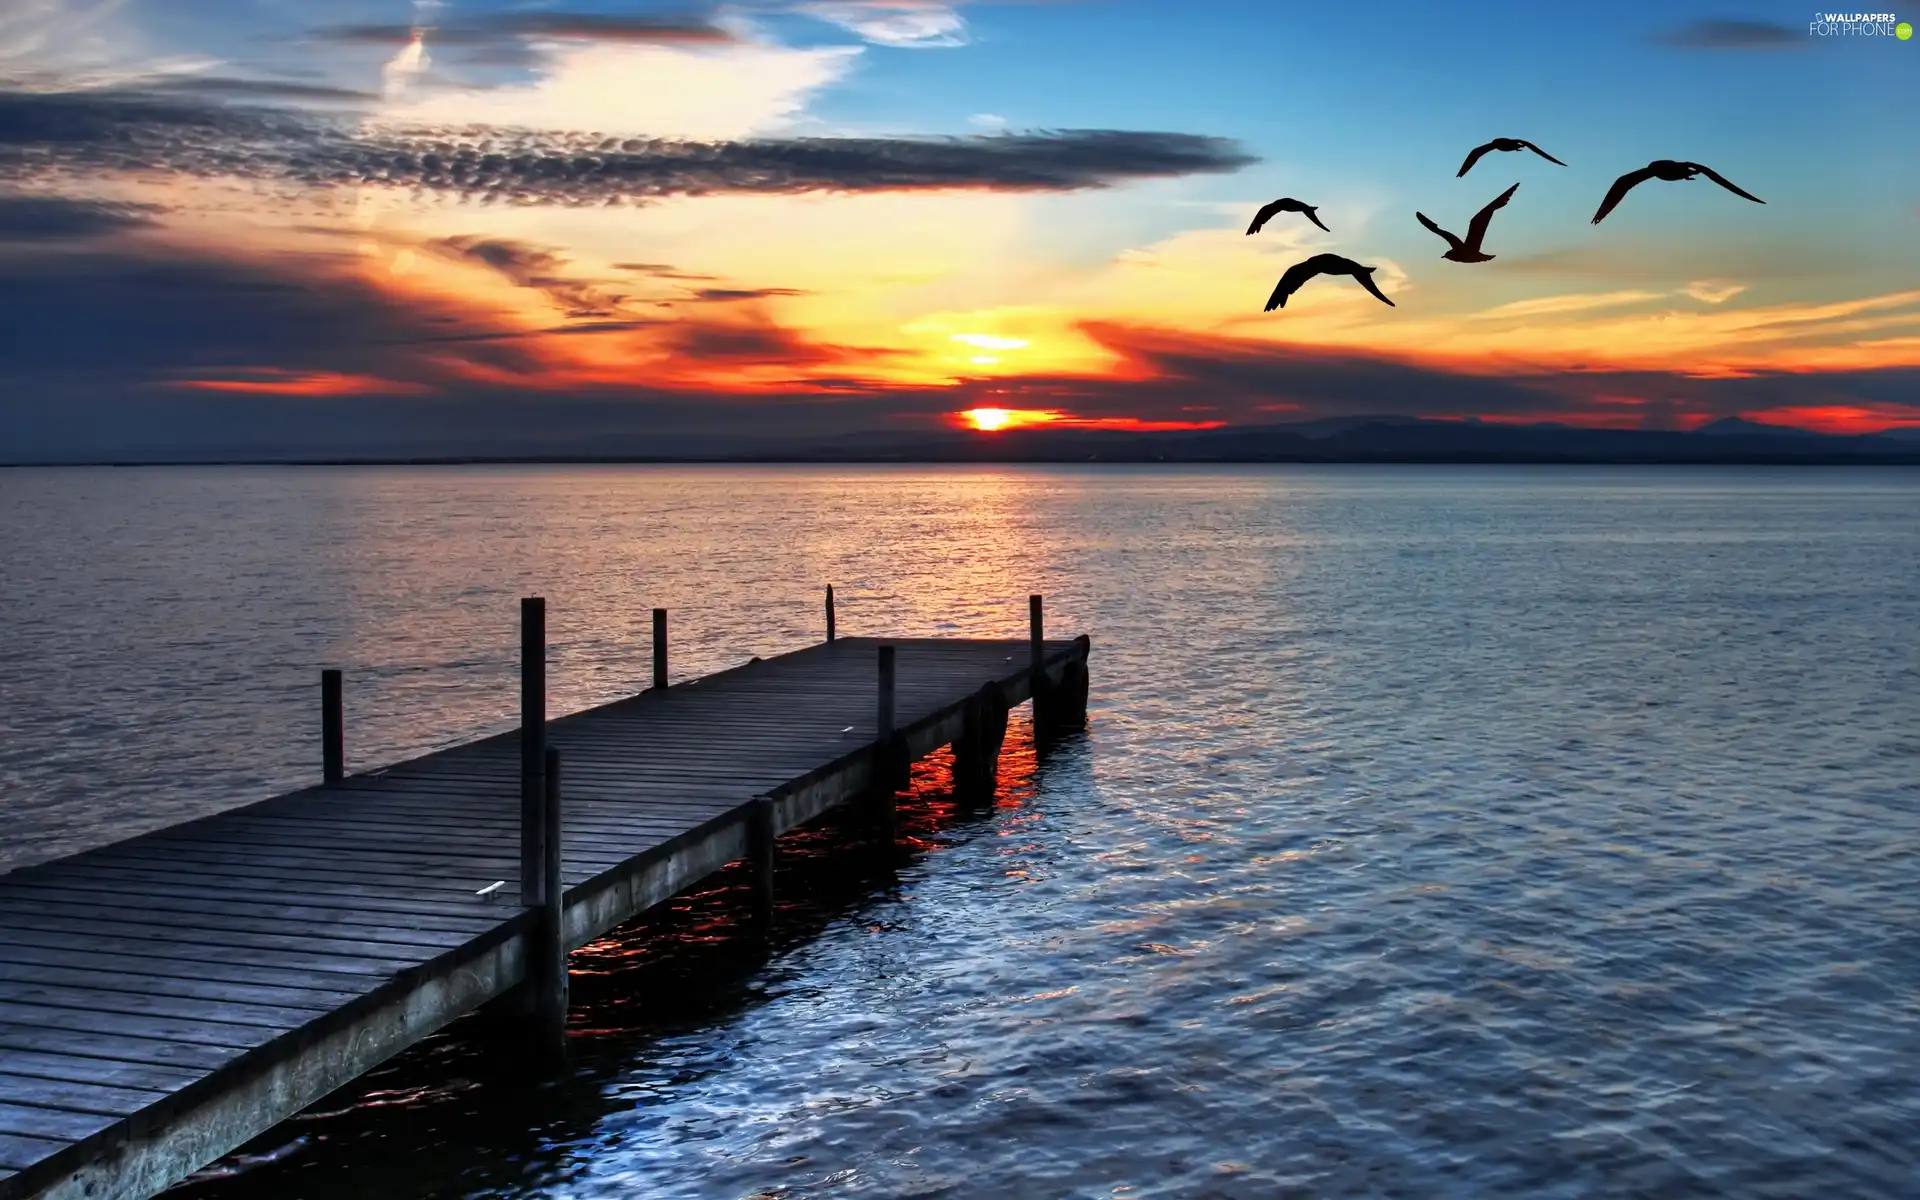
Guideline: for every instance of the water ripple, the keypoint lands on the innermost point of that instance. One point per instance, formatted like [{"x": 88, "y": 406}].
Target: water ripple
[{"x": 1437, "y": 832}]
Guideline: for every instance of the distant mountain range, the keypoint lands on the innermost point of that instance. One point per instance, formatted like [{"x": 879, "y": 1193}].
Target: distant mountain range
[
  {"x": 1367, "y": 439},
  {"x": 1384, "y": 439}
]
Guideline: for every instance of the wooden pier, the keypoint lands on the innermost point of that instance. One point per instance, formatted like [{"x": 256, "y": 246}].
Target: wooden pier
[{"x": 167, "y": 998}]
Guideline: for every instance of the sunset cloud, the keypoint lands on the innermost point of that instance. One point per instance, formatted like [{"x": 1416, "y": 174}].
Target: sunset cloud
[
  {"x": 127, "y": 131},
  {"x": 574, "y": 222}
]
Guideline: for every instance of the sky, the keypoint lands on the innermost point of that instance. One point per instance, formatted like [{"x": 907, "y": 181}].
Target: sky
[{"x": 403, "y": 226}]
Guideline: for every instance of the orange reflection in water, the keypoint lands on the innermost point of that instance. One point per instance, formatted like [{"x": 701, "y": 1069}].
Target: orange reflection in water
[{"x": 691, "y": 955}]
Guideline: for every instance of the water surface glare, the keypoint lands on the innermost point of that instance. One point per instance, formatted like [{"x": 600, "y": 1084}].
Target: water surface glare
[{"x": 1437, "y": 831}]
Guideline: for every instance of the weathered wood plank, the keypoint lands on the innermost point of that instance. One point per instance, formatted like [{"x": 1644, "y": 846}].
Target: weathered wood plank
[
  {"x": 53, "y": 1124},
  {"x": 345, "y": 962},
  {"x": 158, "y": 970},
  {"x": 18, "y": 1153},
  {"x": 156, "y": 1029},
  {"x": 232, "y": 1011},
  {"x": 68, "y": 1096},
  {"x": 147, "y": 987},
  {"x": 91, "y": 1043},
  {"x": 102, "y": 1073}
]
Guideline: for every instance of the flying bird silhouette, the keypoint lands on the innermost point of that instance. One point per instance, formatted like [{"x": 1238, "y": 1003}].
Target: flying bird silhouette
[
  {"x": 1672, "y": 172},
  {"x": 1285, "y": 204},
  {"x": 1469, "y": 251},
  {"x": 1323, "y": 264},
  {"x": 1503, "y": 144}
]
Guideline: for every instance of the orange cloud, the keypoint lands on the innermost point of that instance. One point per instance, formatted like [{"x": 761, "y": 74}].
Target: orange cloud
[
  {"x": 272, "y": 382},
  {"x": 1841, "y": 418}
]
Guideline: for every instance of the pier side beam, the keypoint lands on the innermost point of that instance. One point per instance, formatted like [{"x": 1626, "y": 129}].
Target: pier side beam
[{"x": 830, "y": 630}]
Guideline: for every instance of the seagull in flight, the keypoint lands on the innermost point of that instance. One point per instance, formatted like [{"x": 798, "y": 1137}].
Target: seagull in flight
[
  {"x": 1672, "y": 172},
  {"x": 1469, "y": 251},
  {"x": 1285, "y": 204},
  {"x": 1503, "y": 144},
  {"x": 1323, "y": 264}
]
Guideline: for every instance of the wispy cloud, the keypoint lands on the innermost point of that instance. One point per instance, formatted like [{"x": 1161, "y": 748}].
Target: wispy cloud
[
  {"x": 912, "y": 24},
  {"x": 1734, "y": 35},
  {"x": 127, "y": 131},
  {"x": 1569, "y": 302},
  {"x": 1714, "y": 291}
]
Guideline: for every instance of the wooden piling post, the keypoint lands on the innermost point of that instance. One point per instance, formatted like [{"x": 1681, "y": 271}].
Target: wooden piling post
[
  {"x": 760, "y": 835},
  {"x": 829, "y": 612},
  {"x": 547, "y": 972},
  {"x": 333, "y": 748},
  {"x": 976, "y": 752},
  {"x": 886, "y": 767},
  {"x": 1037, "y": 664},
  {"x": 659, "y": 647},
  {"x": 533, "y": 741},
  {"x": 1074, "y": 695}
]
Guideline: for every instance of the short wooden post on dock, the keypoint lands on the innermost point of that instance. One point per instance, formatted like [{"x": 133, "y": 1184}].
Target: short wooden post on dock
[
  {"x": 659, "y": 647},
  {"x": 547, "y": 970},
  {"x": 333, "y": 743},
  {"x": 829, "y": 612},
  {"x": 760, "y": 836},
  {"x": 533, "y": 741},
  {"x": 1037, "y": 664},
  {"x": 886, "y": 766}
]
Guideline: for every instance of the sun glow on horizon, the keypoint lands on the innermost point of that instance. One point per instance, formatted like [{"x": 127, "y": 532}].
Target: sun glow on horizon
[{"x": 990, "y": 420}]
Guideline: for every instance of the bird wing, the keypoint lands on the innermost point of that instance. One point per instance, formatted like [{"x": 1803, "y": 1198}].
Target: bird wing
[
  {"x": 1477, "y": 229},
  {"x": 1722, "y": 180},
  {"x": 1621, "y": 187},
  {"x": 1290, "y": 282},
  {"x": 1452, "y": 241},
  {"x": 1542, "y": 153},
  {"x": 1473, "y": 156},
  {"x": 1366, "y": 281},
  {"x": 1264, "y": 215},
  {"x": 1312, "y": 213}
]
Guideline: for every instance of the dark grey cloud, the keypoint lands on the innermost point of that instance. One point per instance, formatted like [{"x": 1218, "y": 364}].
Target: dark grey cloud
[
  {"x": 532, "y": 267},
  {"x": 127, "y": 131},
  {"x": 729, "y": 295},
  {"x": 661, "y": 271},
  {"x": 489, "y": 28},
  {"x": 1735, "y": 35},
  {"x": 98, "y": 315},
  {"x": 40, "y": 219},
  {"x": 1245, "y": 375},
  {"x": 261, "y": 90}
]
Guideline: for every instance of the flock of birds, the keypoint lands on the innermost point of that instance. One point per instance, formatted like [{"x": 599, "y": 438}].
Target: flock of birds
[{"x": 1467, "y": 249}]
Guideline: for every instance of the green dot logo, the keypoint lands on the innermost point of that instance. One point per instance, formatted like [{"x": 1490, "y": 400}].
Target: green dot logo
[{"x": 1903, "y": 31}]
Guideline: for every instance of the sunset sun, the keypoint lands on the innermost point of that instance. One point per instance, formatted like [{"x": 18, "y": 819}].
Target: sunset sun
[{"x": 989, "y": 420}]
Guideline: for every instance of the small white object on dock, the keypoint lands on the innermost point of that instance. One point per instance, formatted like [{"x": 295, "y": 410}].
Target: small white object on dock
[{"x": 488, "y": 891}]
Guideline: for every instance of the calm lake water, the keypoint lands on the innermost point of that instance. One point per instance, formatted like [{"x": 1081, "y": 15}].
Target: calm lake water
[{"x": 1437, "y": 832}]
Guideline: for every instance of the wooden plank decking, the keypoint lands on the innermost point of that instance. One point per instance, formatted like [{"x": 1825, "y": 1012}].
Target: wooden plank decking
[{"x": 165, "y": 998}]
